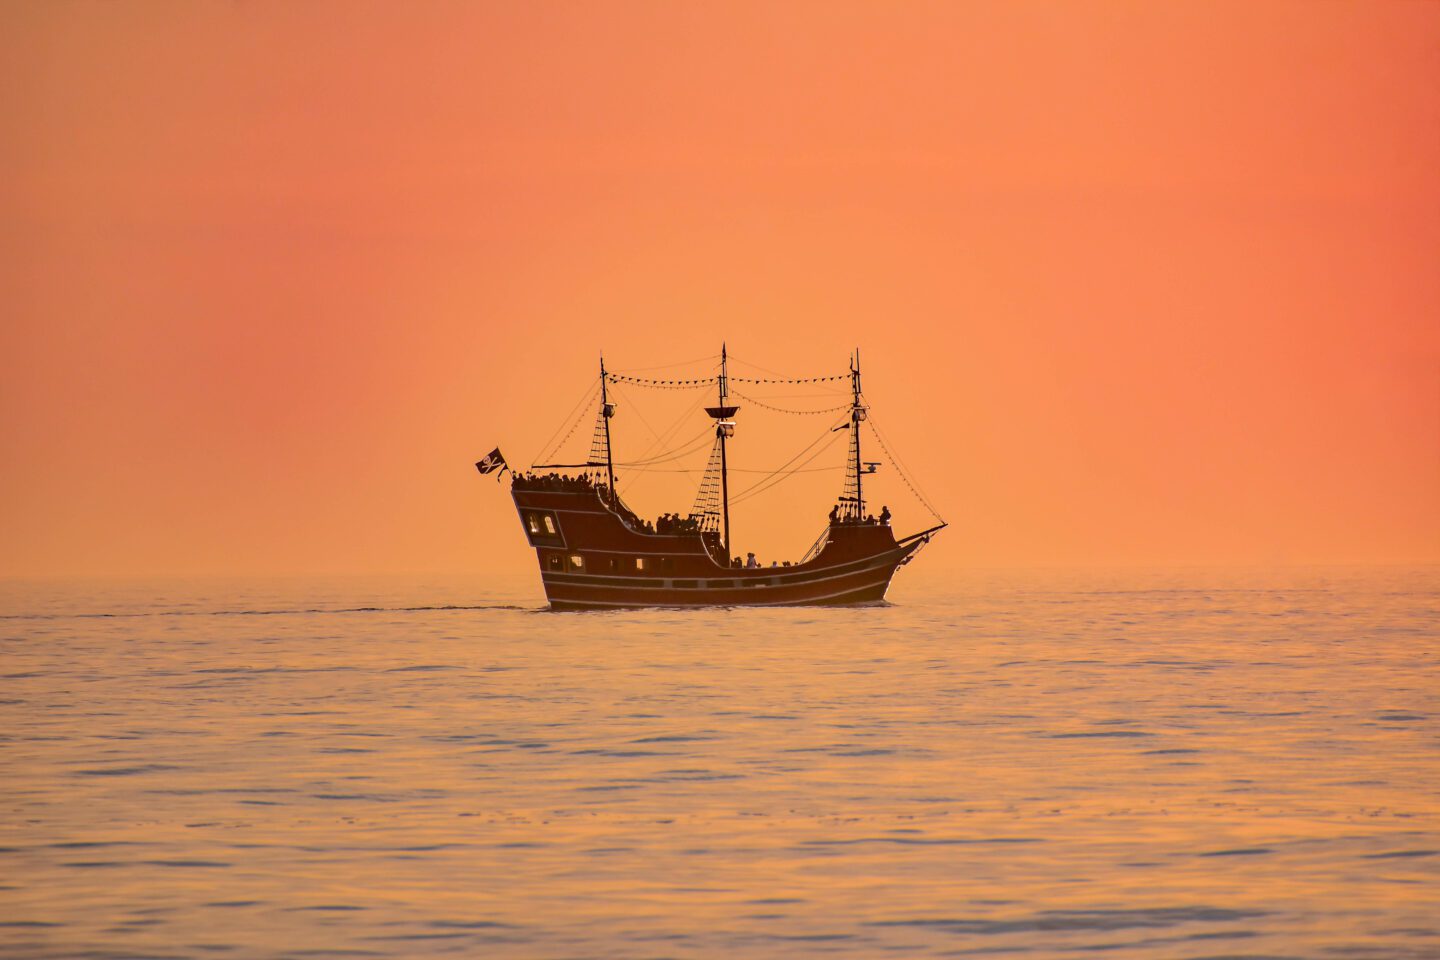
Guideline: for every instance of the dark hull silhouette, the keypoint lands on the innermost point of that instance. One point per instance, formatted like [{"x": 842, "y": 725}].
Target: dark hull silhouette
[{"x": 593, "y": 557}]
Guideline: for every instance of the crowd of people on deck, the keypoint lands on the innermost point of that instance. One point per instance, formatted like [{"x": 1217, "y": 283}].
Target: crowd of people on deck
[
  {"x": 841, "y": 515},
  {"x": 674, "y": 523},
  {"x": 553, "y": 481},
  {"x": 752, "y": 564}
]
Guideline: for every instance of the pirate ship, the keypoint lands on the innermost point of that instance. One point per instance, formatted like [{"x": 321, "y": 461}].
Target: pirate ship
[{"x": 597, "y": 553}]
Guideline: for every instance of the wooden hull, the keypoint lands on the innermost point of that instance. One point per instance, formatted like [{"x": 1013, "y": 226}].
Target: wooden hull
[{"x": 592, "y": 558}]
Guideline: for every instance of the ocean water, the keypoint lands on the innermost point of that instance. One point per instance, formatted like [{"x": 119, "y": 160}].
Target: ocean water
[{"x": 1171, "y": 764}]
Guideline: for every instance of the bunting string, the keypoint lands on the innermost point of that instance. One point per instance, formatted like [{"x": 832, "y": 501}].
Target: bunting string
[
  {"x": 662, "y": 384},
  {"x": 710, "y": 381},
  {"x": 838, "y": 376},
  {"x": 759, "y": 403}
]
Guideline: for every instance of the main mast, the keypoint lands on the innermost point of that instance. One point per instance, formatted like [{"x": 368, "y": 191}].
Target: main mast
[
  {"x": 607, "y": 410},
  {"x": 722, "y": 414}
]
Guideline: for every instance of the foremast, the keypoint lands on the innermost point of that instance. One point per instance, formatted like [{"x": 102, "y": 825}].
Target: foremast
[{"x": 607, "y": 410}]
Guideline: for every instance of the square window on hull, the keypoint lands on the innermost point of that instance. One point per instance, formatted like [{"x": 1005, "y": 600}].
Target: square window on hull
[{"x": 542, "y": 528}]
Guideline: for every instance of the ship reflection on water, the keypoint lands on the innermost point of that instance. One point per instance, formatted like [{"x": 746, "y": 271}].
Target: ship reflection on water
[{"x": 1190, "y": 764}]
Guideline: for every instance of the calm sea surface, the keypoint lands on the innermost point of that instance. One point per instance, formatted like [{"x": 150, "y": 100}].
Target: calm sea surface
[{"x": 1183, "y": 764}]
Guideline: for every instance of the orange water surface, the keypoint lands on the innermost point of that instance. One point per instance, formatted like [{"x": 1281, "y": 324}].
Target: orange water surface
[{"x": 1177, "y": 764}]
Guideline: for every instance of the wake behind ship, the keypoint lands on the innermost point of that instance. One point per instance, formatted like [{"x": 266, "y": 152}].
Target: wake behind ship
[{"x": 596, "y": 553}]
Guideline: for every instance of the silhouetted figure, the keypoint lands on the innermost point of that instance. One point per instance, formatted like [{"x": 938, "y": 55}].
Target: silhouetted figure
[
  {"x": 835, "y": 514},
  {"x": 885, "y": 516},
  {"x": 750, "y": 562}
]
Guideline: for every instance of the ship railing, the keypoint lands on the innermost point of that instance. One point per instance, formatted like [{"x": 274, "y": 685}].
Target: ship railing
[{"x": 817, "y": 546}]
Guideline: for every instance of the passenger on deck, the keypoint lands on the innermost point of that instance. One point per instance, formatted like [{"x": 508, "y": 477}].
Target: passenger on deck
[
  {"x": 835, "y": 514},
  {"x": 885, "y": 516},
  {"x": 750, "y": 562}
]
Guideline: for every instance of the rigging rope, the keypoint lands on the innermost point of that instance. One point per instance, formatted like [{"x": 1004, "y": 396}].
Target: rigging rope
[
  {"x": 669, "y": 456},
  {"x": 764, "y": 486},
  {"x": 626, "y": 397},
  {"x": 780, "y": 377},
  {"x": 662, "y": 439},
  {"x": 904, "y": 474},
  {"x": 671, "y": 430},
  {"x": 761, "y": 485},
  {"x": 671, "y": 366},
  {"x": 746, "y": 363},
  {"x": 576, "y": 411},
  {"x": 759, "y": 403}
]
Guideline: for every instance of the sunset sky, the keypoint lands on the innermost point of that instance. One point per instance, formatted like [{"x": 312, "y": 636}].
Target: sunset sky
[{"x": 1133, "y": 282}]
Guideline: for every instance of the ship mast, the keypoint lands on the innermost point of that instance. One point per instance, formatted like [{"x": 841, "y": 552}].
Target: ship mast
[
  {"x": 857, "y": 413},
  {"x": 721, "y": 431},
  {"x": 607, "y": 410},
  {"x": 723, "y": 415}
]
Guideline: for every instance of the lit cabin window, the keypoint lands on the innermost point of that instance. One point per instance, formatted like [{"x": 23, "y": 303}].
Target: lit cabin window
[
  {"x": 532, "y": 522},
  {"x": 577, "y": 562},
  {"x": 639, "y": 563},
  {"x": 550, "y": 525}
]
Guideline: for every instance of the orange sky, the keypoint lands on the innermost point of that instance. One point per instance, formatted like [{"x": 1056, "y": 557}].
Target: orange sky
[{"x": 1134, "y": 282}]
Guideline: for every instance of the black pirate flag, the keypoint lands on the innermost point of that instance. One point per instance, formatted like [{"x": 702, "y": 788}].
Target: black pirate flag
[{"x": 494, "y": 460}]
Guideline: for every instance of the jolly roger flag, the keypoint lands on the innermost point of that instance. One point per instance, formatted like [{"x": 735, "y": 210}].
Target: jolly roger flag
[{"x": 494, "y": 460}]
